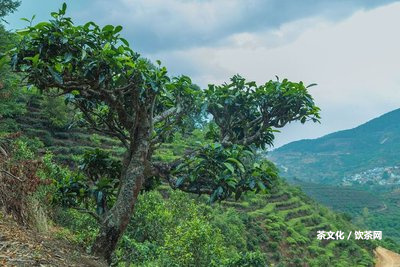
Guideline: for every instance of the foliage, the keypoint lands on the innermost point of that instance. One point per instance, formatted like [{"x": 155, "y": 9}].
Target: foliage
[
  {"x": 223, "y": 172},
  {"x": 193, "y": 243},
  {"x": 122, "y": 95},
  {"x": 19, "y": 181},
  {"x": 110, "y": 84},
  {"x": 93, "y": 184},
  {"x": 180, "y": 231},
  {"x": 247, "y": 113},
  {"x": 249, "y": 236},
  {"x": 79, "y": 228},
  {"x": 249, "y": 259},
  {"x": 102, "y": 172},
  {"x": 8, "y": 6},
  {"x": 55, "y": 109},
  {"x": 8, "y": 81}
]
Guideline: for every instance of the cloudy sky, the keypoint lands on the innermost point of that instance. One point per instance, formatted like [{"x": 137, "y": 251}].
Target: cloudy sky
[{"x": 350, "y": 48}]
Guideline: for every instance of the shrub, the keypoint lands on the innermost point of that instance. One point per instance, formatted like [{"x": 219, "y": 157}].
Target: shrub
[
  {"x": 193, "y": 243},
  {"x": 249, "y": 259},
  {"x": 56, "y": 111},
  {"x": 18, "y": 184}
]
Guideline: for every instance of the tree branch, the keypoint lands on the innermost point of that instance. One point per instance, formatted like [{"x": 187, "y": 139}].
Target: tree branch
[
  {"x": 166, "y": 114},
  {"x": 11, "y": 175},
  {"x": 91, "y": 213}
]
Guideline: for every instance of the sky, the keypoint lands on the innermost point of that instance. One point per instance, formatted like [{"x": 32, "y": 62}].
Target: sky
[{"x": 350, "y": 48}]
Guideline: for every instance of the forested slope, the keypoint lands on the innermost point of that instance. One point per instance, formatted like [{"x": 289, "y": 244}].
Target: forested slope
[
  {"x": 280, "y": 227},
  {"x": 58, "y": 171}
]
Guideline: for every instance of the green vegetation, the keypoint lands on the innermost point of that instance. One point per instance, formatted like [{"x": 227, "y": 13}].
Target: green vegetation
[
  {"x": 350, "y": 200},
  {"x": 170, "y": 228},
  {"x": 116, "y": 92},
  {"x": 319, "y": 166},
  {"x": 122, "y": 135}
]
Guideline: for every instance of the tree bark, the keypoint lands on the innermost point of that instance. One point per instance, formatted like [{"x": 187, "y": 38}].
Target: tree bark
[{"x": 117, "y": 218}]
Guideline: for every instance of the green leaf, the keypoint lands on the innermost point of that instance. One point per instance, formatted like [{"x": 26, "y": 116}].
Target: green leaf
[
  {"x": 238, "y": 163},
  {"x": 108, "y": 28},
  {"x": 229, "y": 167},
  {"x": 118, "y": 29},
  {"x": 3, "y": 60},
  {"x": 23, "y": 32},
  {"x": 179, "y": 181},
  {"x": 311, "y": 85},
  {"x": 124, "y": 41},
  {"x": 63, "y": 9},
  {"x": 232, "y": 183},
  {"x": 83, "y": 54},
  {"x": 88, "y": 24},
  {"x": 68, "y": 57},
  {"x": 107, "y": 46},
  {"x": 42, "y": 25},
  {"x": 57, "y": 77},
  {"x": 35, "y": 60},
  {"x": 261, "y": 185},
  {"x": 248, "y": 153}
]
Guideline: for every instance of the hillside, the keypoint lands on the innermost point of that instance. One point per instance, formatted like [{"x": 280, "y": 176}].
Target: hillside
[
  {"x": 368, "y": 154},
  {"x": 20, "y": 246},
  {"x": 51, "y": 122},
  {"x": 109, "y": 159},
  {"x": 367, "y": 208},
  {"x": 290, "y": 221},
  {"x": 281, "y": 225},
  {"x": 354, "y": 171}
]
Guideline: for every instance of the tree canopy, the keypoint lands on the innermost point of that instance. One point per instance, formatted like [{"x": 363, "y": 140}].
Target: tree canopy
[
  {"x": 123, "y": 95},
  {"x": 7, "y": 7}
]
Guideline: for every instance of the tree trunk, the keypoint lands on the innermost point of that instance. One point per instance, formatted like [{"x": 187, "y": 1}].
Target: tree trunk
[{"x": 117, "y": 218}]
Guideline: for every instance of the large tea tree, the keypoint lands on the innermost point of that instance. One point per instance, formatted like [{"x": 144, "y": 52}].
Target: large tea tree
[{"x": 127, "y": 97}]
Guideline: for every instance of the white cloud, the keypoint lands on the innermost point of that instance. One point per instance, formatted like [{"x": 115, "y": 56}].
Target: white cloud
[{"x": 355, "y": 63}]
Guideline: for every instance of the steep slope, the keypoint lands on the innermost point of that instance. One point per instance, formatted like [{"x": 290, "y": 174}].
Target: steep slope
[
  {"x": 352, "y": 171},
  {"x": 20, "y": 246},
  {"x": 286, "y": 224},
  {"x": 367, "y": 154},
  {"x": 283, "y": 224},
  {"x": 52, "y": 124}
]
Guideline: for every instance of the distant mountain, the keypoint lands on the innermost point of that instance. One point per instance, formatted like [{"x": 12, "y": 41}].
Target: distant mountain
[{"x": 368, "y": 154}]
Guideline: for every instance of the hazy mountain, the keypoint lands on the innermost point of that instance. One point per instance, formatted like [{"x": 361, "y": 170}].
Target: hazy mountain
[{"x": 367, "y": 154}]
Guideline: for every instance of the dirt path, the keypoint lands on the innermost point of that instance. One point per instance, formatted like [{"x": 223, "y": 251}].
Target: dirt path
[
  {"x": 23, "y": 247},
  {"x": 386, "y": 258}
]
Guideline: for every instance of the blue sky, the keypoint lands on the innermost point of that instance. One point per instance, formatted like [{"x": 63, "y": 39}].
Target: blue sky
[{"x": 348, "y": 47}]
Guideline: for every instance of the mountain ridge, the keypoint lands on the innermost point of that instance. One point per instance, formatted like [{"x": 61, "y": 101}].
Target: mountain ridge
[
  {"x": 375, "y": 143},
  {"x": 375, "y": 124}
]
